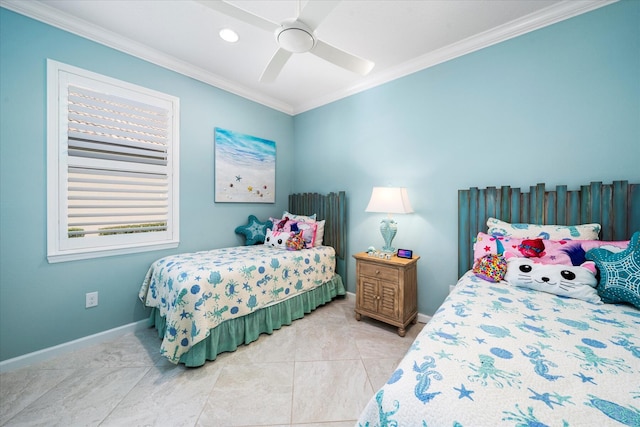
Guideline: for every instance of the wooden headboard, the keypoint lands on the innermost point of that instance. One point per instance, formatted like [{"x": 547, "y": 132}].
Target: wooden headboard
[
  {"x": 615, "y": 206},
  {"x": 332, "y": 208}
]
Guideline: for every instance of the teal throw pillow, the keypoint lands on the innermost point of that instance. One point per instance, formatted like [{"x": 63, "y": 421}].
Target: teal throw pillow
[
  {"x": 255, "y": 231},
  {"x": 619, "y": 272}
]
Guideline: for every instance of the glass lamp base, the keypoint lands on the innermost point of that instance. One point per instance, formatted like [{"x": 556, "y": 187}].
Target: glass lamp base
[{"x": 388, "y": 229}]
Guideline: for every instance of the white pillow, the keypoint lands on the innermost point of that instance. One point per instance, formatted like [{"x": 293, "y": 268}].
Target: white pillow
[
  {"x": 319, "y": 233},
  {"x": 299, "y": 218},
  {"x": 547, "y": 232}
]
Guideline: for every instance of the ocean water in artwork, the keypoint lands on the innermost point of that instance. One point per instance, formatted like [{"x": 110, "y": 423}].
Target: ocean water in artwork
[{"x": 245, "y": 168}]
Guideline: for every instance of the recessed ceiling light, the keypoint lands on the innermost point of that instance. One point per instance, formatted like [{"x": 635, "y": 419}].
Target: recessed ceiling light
[{"x": 228, "y": 35}]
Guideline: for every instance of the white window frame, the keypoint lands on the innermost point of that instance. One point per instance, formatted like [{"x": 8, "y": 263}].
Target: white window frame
[{"x": 60, "y": 247}]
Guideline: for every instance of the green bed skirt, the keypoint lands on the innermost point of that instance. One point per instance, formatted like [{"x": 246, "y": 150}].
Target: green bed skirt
[{"x": 232, "y": 333}]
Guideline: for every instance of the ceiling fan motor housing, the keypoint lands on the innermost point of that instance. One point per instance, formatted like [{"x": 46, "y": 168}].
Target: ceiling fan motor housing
[{"x": 296, "y": 37}]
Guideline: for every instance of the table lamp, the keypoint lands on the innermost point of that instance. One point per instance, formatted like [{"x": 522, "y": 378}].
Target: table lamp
[{"x": 389, "y": 200}]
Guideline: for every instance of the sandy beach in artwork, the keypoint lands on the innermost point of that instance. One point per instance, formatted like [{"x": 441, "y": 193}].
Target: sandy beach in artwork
[{"x": 245, "y": 168}]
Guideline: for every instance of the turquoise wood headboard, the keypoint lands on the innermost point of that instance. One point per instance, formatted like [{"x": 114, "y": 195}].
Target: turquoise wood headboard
[
  {"x": 615, "y": 206},
  {"x": 332, "y": 208}
]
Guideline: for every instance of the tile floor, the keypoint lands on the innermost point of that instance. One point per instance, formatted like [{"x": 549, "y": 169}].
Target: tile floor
[{"x": 320, "y": 371}]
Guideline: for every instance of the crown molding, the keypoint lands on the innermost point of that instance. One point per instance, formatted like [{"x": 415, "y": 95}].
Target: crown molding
[
  {"x": 545, "y": 17},
  {"x": 51, "y": 16}
]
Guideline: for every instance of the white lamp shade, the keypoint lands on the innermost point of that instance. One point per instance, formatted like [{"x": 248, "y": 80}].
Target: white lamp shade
[{"x": 389, "y": 200}]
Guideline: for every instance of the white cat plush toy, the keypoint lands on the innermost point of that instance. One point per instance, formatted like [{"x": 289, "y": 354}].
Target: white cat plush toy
[
  {"x": 569, "y": 281},
  {"x": 277, "y": 239}
]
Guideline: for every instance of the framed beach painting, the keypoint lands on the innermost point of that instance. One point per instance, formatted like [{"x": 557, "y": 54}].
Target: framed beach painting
[{"x": 245, "y": 168}]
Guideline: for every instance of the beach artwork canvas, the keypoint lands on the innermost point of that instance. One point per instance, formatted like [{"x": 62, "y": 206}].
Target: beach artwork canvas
[{"x": 245, "y": 168}]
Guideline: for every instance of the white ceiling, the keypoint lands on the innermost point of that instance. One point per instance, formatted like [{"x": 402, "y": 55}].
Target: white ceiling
[{"x": 400, "y": 36}]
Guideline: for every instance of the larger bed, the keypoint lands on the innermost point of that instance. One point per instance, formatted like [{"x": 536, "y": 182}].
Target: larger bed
[
  {"x": 210, "y": 302},
  {"x": 498, "y": 354}
]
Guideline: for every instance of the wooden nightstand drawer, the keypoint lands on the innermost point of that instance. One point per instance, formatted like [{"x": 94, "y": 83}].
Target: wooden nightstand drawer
[{"x": 379, "y": 271}]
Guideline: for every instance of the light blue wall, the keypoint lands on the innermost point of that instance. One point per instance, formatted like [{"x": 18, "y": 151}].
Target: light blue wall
[
  {"x": 42, "y": 304},
  {"x": 560, "y": 105}
]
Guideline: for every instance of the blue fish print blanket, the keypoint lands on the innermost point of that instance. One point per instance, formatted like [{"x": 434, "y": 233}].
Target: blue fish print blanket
[
  {"x": 195, "y": 292},
  {"x": 498, "y": 355}
]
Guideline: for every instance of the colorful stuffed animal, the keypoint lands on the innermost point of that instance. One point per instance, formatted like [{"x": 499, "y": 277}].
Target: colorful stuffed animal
[
  {"x": 532, "y": 248},
  {"x": 295, "y": 242},
  {"x": 570, "y": 281},
  {"x": 279, "y": 226},
  {"x": 491, "y": 267}
]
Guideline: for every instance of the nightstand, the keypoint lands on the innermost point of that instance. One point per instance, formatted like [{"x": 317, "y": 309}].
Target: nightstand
[{"x": 387, "y": 289}]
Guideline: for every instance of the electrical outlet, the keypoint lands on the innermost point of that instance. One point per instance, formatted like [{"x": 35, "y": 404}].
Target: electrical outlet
[{"x": 91, "y": 299}]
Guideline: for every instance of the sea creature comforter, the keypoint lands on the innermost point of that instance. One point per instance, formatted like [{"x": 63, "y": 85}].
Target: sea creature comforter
[
  {"x": 197, "y": 291},
  {"x": 498, "y": 355}
]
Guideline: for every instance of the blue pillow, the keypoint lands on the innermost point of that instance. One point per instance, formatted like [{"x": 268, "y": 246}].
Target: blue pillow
[
  {"x": 619, "y": 272},
  {"x": 255, "y": 231}
]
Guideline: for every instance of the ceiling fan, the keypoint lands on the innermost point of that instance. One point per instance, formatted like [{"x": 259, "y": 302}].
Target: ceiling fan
[{"x": 296, "y": 36}]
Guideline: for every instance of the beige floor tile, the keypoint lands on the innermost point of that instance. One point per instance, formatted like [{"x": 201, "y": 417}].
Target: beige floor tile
[
  {"x": 277, "y": 347},
  {"x": 350, "y": 423},
  {"x": 379, "y": 370},
  {"x": 85, "y": 397},
  {"x": 329, "y": 339},
  {"x": 329, "y": 391},
  {"x": 167, "y": 393},
  {"x": 20, "y": 388},
  {"x": 378, "y": 340},
  {"x": 253, "y": 394},
  {"x": 133, "y": 350},
  {"x": 318, "y": 372}
]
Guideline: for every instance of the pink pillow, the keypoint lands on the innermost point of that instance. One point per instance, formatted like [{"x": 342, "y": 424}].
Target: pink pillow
[
  {"x": 566, "y": 252},
  {"x": 279, "y": 224},
  {"x": 308, "y": 229},
  {"x": 288, "y": 216}
]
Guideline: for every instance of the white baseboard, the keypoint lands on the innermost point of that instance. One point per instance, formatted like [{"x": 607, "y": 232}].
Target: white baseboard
[
  {"x": 422, "y": 318},
  {"x": 68, "y": 347}
]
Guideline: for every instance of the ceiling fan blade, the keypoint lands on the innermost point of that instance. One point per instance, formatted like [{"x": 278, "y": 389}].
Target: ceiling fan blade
[
  {"x": 240, "y": 14},
  {"x": 275, "y": 65},
  {"x": 342, "y": 58},
  {"x": 315, "y": 12}
]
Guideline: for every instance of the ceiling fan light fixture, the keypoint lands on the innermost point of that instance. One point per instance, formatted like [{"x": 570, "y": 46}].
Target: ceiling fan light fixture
[
  {"x": 295, "y": 37},
  {"x": 228, "y": 35}
]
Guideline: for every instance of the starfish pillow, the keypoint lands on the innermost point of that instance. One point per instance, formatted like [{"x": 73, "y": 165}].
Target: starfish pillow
[
  {"x": 255, "y": 231},
  {"x": 619, "y": 272}
]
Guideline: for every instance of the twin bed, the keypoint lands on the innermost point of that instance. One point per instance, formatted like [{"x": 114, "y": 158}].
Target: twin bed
[
  {"x": 498, "y": 354},
  {"x": 210, "y": 302}
]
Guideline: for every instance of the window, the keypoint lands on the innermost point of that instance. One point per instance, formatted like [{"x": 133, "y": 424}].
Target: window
[{"x": 112, "y": 166}]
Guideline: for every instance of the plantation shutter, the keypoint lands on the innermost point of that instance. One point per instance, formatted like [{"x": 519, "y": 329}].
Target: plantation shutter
[
  {"x": 118, "y": 176},
  {"x": 113, "y": 166}
]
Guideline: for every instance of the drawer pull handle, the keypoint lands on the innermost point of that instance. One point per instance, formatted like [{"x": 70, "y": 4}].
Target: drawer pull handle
[{"x": 377, "y": 271}]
